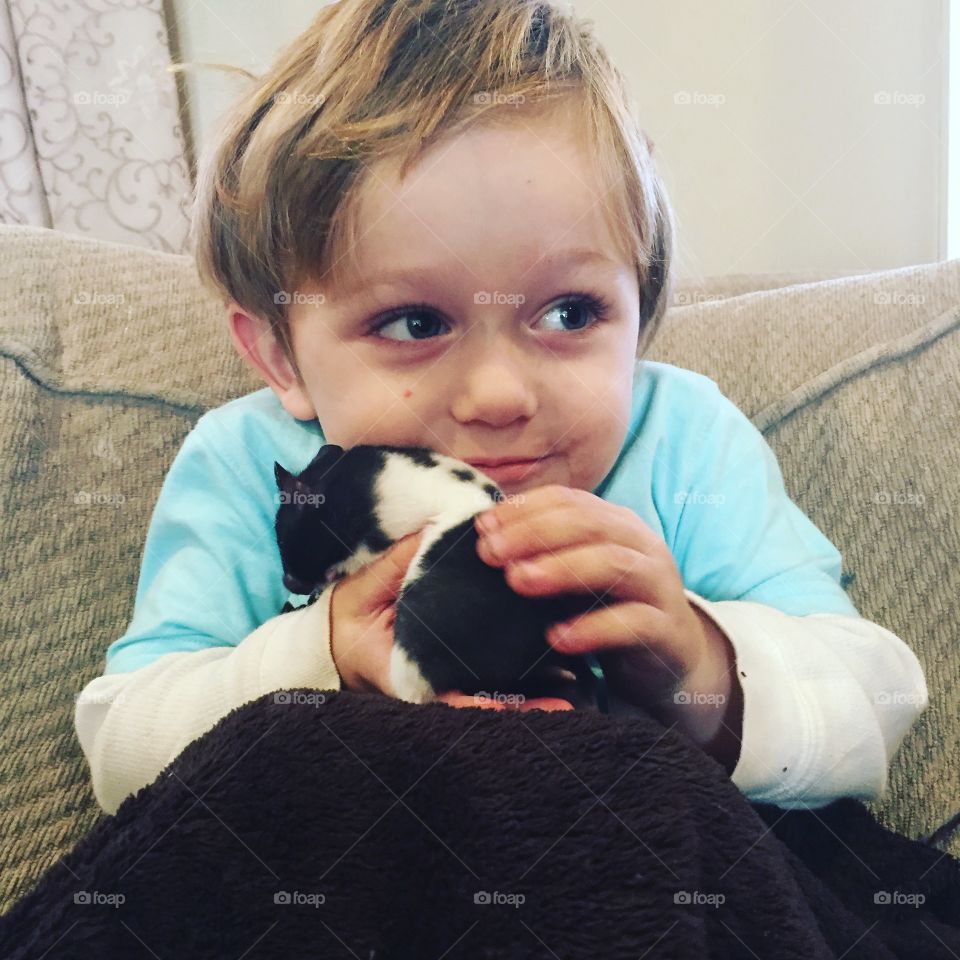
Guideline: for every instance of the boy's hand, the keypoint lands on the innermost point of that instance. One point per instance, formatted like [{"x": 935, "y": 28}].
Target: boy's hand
[
  {"x": 362, "y": 614},
  {"x": 648, "y": 637},
  {"x": 456, "y": 698}
]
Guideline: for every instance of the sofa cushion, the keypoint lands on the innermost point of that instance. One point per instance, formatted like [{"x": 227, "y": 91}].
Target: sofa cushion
[
  {"x": 854, "y": 384},
  {"x": 689, "y": 291},
  {"x": 109, "y": 354}
]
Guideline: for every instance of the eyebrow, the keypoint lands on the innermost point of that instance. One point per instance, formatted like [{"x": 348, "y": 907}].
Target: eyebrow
[{"x": 413, "y": 273}]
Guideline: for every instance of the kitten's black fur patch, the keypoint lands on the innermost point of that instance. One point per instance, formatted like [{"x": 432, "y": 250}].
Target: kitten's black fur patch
[
  {"x": 466, "y": 628},
  {"x": 327, "y": 513},
  {"x": 420, "y": 455}
]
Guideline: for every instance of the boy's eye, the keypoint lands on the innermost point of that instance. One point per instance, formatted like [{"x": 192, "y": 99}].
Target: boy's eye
[
  {"x": 576, "y": 312},
  {"x": 419, "y": 322},
  {"x": 412, "y": 323}
]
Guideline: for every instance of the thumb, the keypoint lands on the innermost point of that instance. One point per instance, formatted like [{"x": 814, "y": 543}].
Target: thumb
[{"x": 384, "y": 576}]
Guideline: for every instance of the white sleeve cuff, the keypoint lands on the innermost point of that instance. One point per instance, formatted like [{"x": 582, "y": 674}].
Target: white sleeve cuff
[
  {"x": 131, "y": 725},
  {"x": 827, "y": 699}
]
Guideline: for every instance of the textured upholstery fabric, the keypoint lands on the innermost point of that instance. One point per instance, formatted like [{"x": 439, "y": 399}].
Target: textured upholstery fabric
[{"x": 110, "y": 353}]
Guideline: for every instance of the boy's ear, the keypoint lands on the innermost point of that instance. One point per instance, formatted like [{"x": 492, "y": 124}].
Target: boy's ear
[{"x": 255, "y": 342}]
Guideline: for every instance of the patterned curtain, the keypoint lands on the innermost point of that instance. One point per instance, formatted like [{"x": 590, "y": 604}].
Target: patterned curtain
[{"x": 91, "y": 139}]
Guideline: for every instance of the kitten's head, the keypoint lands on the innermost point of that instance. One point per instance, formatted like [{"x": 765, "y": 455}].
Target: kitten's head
[
  {"x": 325, "y": 513},
  {"x": 365, "y": 497}
]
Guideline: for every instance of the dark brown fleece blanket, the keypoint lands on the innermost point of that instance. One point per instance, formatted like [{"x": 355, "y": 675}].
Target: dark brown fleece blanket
[{"x": 352, "y": 825}]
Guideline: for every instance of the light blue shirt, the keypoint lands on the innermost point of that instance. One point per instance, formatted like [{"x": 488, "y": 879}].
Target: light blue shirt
[{"x": 692, "y": 467}]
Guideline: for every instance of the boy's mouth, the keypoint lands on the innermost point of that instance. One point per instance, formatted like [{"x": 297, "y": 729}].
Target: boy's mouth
[
  {"x": 511, "y": 471},
  {"x": 481, "y": 462}
]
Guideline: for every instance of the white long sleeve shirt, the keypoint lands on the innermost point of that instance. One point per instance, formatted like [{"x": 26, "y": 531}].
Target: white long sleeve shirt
[{"x": 828, "y": 695}]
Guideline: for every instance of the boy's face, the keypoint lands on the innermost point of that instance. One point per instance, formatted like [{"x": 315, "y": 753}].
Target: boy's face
[{"x": 495, "y": 354}]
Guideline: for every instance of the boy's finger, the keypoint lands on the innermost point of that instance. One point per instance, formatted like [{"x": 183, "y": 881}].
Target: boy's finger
[
  {"x": 453, "y": 698},
  {"x": 547, "y": 703},
  {"x": 383, "y": 577}
]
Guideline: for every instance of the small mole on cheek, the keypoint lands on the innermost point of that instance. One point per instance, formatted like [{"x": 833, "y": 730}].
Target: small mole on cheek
[{"x": 408, "y": 392}]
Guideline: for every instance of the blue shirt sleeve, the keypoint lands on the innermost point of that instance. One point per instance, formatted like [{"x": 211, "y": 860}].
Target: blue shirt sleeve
[
  {"x": 211, "y": 570},
  {"x": 739, "y": 535}
]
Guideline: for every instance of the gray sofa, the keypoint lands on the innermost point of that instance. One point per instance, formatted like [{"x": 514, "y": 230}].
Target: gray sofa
[{"x": 110, "y": 354}]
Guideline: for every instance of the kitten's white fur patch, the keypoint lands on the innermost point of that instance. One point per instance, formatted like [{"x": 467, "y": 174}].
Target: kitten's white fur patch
[
  {"x": 418, "y": 506},
  {"x": 405, "y": 678},
  {"x": 432, "y": 498}
]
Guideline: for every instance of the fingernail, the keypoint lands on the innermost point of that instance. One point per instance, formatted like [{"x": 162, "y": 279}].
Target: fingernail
[
  {"x": 487, "y": 521},
  {"x": 494, "y": 545},
  {"x": 562, "y": 637}
]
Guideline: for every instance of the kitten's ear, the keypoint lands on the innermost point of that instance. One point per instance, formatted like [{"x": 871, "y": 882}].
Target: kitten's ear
[
  {"x": 288, "y": 484},
  {"x": 327, "y": 454},
  {"x": 285, "y": 479},
  {"x": 320, "y": 471}
]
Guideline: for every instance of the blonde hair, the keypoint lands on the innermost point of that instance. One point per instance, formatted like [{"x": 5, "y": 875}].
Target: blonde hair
[{"x": 369, "y": 80}]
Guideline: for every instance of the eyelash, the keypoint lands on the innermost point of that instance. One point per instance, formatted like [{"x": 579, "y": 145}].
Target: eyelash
[{"x": 597, "y": 304}]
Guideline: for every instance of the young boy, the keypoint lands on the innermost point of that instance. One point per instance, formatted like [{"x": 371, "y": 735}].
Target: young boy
[{"x": 445, "y": 229}]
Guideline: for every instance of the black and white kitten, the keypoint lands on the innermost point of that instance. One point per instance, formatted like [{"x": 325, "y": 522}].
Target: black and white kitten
[{"x": 459, "y": 625}]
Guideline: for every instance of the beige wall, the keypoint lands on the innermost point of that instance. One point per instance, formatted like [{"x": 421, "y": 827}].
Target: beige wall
[{"x": 776, "y": 152}]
